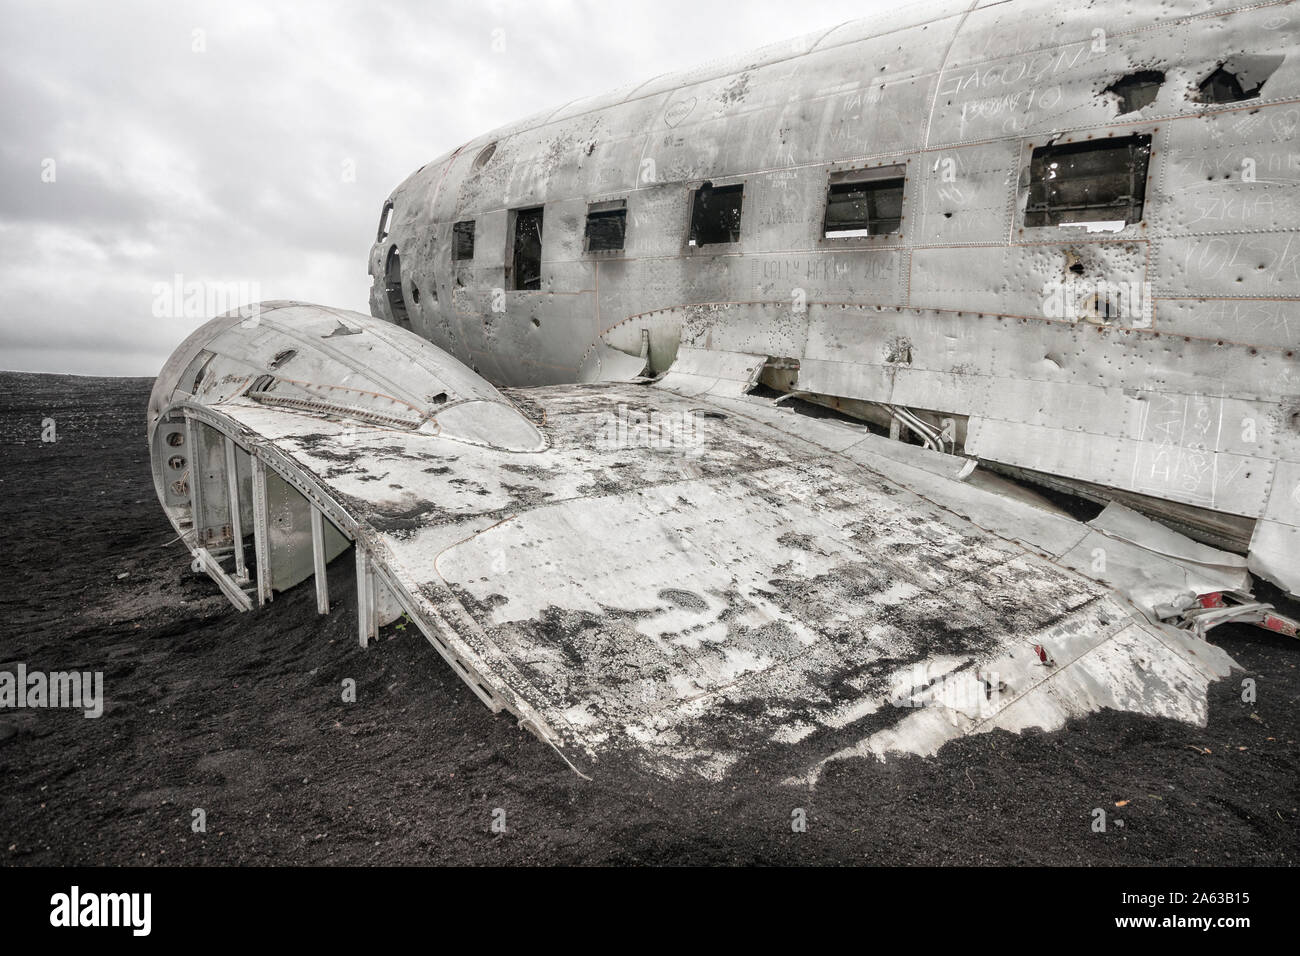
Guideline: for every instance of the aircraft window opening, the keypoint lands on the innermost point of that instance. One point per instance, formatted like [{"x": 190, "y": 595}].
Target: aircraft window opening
[
  {"x": 195, "y": 371},
  {"x": 1136, "y": 90},
  {"x": 484, "y": 157},
  {"x": 462, "y": 241},
  {"x": 1240, "y": 77},
  {"x": 393, "y": 287},
  {"x": 1099, "y": 183},
  {"x": 385, "y": 221},
  {"x": 176, "y": 439},
  {"x": 864, "y": 202},
  {"x": 606, "y": 226},
  {"x": 526, "y": 271},
  {"x": 715, "y": 214}
]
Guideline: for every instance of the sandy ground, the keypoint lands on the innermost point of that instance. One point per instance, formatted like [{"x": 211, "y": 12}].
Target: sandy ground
[{"x": 242, "y": 716}]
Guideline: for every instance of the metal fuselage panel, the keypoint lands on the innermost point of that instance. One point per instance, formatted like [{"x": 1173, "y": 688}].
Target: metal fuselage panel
[{"x": 1189, "y": 395}]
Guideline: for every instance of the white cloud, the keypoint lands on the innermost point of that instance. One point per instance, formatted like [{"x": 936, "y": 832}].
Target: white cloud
[{"x": 226, "y": 165}]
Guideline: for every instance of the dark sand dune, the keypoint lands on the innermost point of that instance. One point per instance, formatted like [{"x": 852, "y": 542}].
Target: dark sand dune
[{"x": 241, "y": 715}]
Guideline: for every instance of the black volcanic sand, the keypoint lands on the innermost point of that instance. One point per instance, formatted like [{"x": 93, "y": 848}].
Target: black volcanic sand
[{"x": 242, "y": 716}]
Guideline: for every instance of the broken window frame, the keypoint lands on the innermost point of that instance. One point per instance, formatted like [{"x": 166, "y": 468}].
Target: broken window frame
[
  {"x": 462, "y": 235},
  {"x": 610, "y": 211},
  {"x": 484, "y": 157},
  {"x": 1136, "y": 90},
  {"x": 385, "y": 222},
  {"x": 873, "y": 183},
  {"x": 393, "y": 290},
  {"x": 1230, "y": 71},
  {"x": 514, "y": 265},
  {"x": 1045, "y": 207},
  {"x": 706, "y": 191},
  {"x": 192, "y": 377}
]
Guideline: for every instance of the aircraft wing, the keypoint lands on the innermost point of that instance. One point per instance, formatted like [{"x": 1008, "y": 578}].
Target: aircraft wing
[{"x": 678, "y": 575}]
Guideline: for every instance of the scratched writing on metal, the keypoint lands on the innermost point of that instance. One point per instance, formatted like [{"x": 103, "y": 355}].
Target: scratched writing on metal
[
  {"x": 1178, "y": 432},
  {"x": 1029, "y": 70}
]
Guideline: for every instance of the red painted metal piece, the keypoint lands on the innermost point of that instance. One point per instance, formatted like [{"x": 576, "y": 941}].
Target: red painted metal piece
[
  {"x": 1280, "y": 624},
  {"x": 1268, "y": 618}
]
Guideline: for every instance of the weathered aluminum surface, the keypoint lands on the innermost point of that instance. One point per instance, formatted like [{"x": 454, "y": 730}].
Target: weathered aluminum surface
[
  {"x": 696, "y": 578},
  {"x": 696, "y": 581},
  {"x": 1192, "y": 400}
]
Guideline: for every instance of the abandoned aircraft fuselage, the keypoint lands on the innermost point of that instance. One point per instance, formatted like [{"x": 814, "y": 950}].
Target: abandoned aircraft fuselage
[
  {"x": 1036, "y": 240},
  {"x": 1060, "y": 237}
]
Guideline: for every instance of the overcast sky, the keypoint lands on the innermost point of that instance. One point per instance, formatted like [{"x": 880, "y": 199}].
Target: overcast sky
[{"x": 224, "y": 156}]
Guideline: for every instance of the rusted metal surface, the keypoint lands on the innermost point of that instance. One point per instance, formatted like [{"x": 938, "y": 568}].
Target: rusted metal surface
[{"x": 1177, "y": 382}]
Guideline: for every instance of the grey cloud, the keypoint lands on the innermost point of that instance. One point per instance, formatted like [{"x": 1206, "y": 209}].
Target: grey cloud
[{"x": 226, "y": 165}]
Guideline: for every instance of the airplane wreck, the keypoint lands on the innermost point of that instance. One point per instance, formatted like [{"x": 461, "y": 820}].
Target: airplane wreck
[{"x": 921, "y": 377}]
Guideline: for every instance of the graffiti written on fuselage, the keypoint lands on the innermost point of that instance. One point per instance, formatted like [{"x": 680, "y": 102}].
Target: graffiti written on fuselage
[
  {"x": 1178, "y": 432},
  {"x": 1005, "y": 103},
  {"x": 1247, "y": 318},
  {"x": 1215, "y": 255},
  {"x": 1029, "y": 71},
  {"x": 825, "y": 270},
  {"x": 1230, "y": 208}
]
